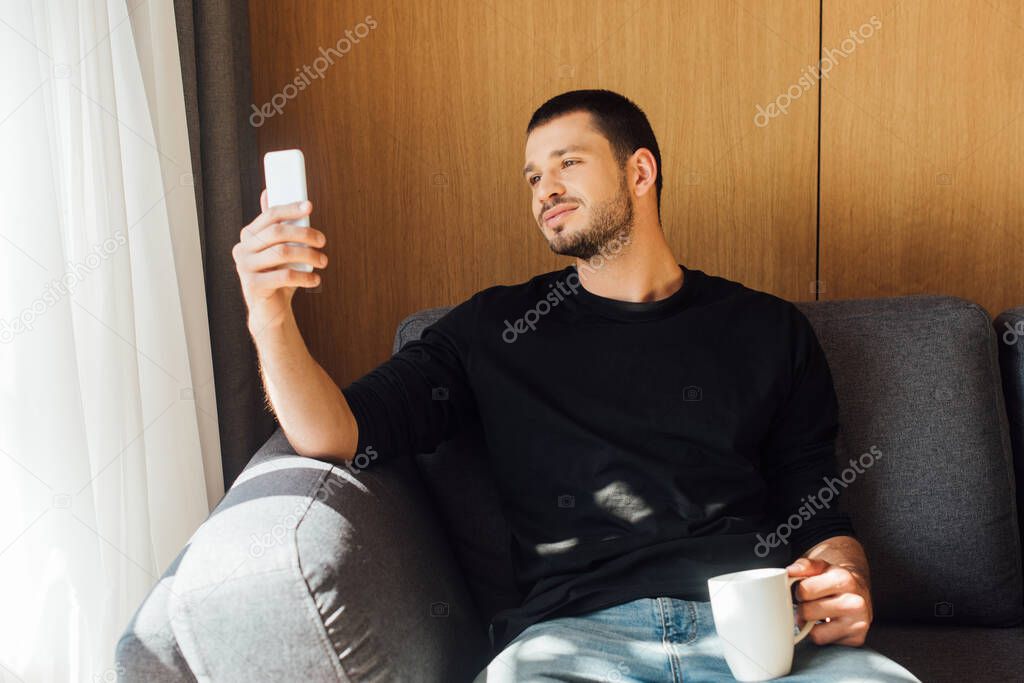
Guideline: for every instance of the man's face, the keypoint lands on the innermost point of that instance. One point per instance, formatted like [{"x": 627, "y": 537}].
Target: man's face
[{"x": 580, "y": 194}]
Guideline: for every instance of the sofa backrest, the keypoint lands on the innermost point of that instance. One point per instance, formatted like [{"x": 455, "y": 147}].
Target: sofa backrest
[
  {"x": 918, "y": 377},
  {"x": 1009, "y": 328},
  {"x": 921, "y": 411}
]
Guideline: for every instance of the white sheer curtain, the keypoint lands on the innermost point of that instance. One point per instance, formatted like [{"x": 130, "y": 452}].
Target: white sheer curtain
[{"x": 109, "y": 457}]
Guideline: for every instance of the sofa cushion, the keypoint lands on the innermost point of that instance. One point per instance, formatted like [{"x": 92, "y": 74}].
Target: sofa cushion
[
  {"x": 954, "y": 654},
  {"x": 917, "y": 380}
]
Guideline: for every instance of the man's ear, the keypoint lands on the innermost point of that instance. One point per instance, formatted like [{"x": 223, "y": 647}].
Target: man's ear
[{"x": 644, "y": 171}]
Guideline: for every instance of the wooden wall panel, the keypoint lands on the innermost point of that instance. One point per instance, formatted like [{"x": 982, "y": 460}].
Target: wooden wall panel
[
  {"x": 922, "y": 178},
  {"x": 414, "y": 141}
]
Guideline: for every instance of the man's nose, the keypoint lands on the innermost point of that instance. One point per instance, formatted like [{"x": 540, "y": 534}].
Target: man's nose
[{"x": 549, "y": 194}]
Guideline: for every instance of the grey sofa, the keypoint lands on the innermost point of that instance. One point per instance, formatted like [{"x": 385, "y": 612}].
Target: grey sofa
[{"x": 307, "y": 571}]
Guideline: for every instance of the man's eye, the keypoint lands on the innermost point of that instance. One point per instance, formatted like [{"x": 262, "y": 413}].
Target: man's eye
[{"x": 532, "y": 180}]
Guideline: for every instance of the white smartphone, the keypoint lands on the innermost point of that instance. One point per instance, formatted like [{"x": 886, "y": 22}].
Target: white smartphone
[{"x": 285, "y": 173}]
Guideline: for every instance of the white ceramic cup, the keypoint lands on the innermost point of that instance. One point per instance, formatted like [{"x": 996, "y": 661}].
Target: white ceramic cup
[{"x": 754, "y": 618}]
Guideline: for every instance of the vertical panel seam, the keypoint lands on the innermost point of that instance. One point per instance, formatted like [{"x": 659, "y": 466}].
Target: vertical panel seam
[{"x": 817, "y": 203}]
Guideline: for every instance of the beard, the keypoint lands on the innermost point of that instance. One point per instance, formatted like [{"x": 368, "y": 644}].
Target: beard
[{"x": 611, "y": 221}]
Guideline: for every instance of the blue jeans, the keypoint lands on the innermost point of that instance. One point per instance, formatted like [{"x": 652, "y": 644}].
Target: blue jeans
[{"x": 661, "y": 639}]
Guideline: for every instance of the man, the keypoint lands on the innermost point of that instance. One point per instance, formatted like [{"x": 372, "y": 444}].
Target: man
[{"x": 649, "y": 425}]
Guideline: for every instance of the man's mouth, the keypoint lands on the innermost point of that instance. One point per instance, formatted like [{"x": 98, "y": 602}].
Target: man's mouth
[{"x": 558, "y": 215}]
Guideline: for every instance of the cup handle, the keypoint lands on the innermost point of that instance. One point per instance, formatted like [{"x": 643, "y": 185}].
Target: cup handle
[{"x": 807, "y": 626}]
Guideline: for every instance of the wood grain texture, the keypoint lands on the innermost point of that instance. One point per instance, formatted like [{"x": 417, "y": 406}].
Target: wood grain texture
[
  {"x": 922, "y": 183},
  {"x": 414, "y": 140}
]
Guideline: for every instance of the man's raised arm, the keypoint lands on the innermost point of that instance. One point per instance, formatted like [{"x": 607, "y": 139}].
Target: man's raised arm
[{"x": 310, "y": 407}]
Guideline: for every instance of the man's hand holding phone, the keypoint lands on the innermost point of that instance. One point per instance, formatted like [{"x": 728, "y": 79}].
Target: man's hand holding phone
[{"x": 262, "y": 260}]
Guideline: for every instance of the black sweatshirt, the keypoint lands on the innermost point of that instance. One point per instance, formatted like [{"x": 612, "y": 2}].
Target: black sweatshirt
[{"x": 638, "y": 448}]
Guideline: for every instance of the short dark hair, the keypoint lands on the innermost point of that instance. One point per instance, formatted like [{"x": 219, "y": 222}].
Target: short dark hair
[{"x": 615, "y": 116}]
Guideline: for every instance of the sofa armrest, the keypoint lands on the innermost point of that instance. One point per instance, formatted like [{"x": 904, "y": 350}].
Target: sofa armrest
[
  {"x": 312, "y": 571},
  {"x": 147, "y": 650}
]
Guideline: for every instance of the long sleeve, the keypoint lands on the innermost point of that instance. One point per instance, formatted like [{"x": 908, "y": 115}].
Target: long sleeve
[
  {"x": 798, "y": 455},
  {"x": 420, "y": 396}
]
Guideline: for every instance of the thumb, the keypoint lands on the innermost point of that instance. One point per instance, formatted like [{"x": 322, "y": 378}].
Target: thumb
[
  {"x": 805, "y": 566},
  {"x": 263, "y": 200}
]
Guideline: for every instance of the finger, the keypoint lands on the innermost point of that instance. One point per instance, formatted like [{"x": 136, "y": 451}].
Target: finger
[
  {"x": 833, "y": 581},
  {"x": 846, "y": 605},
  {"x": 266, "y": 283},
  {"x": 263, "y": 200},
  {"x": 841, "y": 632},
  {"x": 274, "y": 215},
  {"x": 281, "y": 254},
  {"x": 805, "y": 566},
  {"x": 245, "y": 251},
  {"x": 284, "y": 232}
]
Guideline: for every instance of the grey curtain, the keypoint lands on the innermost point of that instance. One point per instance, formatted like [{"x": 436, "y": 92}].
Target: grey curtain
[{"x": 213, "y": 39}]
